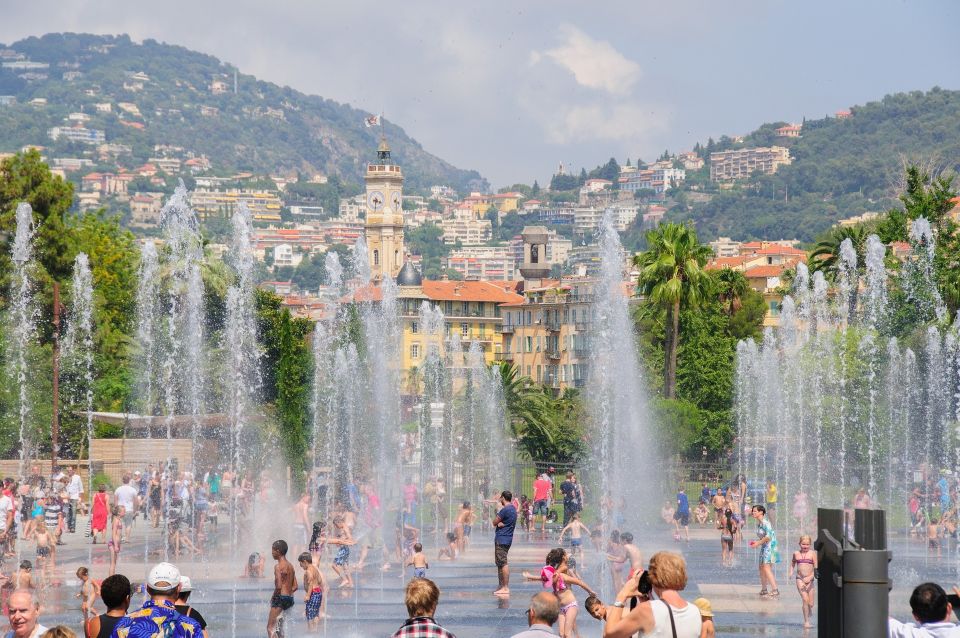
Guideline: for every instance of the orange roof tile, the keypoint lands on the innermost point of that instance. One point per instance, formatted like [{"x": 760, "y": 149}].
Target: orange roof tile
[
  {"x": 780, "y": 250},
  {"x": 764, "y": 271},
  {"x": 719, "y": 263},
  {"x": 468, "y": 291}
]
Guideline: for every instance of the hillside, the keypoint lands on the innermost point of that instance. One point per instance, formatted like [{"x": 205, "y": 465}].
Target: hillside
[
  {"x": 182, "y": 98},
  {"x": 841, "y": 167}
]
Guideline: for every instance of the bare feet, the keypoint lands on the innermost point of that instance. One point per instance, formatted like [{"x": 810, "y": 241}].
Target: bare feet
[{"x": 503, "y": 591}]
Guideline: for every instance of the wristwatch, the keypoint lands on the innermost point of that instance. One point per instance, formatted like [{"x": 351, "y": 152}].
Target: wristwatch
[{"x": 619, "y": 604}]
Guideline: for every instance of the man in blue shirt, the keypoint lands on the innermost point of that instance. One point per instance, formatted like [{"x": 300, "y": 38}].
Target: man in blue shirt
[
  {"x": 158, "y": 616},
  {"x": 504, "y": 524},
  {"x": 682, "y": 516}
]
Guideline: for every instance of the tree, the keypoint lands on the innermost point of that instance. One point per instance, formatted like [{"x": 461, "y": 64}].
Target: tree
[
  {"x": 536, "y": 189},
  {"x": 672, "y": 278},
  {"x": 826, "y": 254},
  {"x": 732, "y": 286}
]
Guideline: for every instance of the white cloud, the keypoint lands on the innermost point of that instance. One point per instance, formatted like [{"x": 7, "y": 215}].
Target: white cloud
[
  {"x": 594, "y": 63},
  {"x": 622, "y": 123}
]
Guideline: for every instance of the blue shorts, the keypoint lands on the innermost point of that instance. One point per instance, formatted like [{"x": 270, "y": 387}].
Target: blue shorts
[
  {"x": 419, "y": 572},
  {"x": 312, "y": 606},
  {"x": 576, "y": 542},
  {"x": 466, "y": 530},
  {"x": 343, "y": 555},
  {"x": 540, "y": 507}
]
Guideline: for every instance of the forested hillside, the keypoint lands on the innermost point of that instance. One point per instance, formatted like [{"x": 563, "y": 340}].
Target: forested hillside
[
  {"x": 188, "y": 100},
  {"x": 841, "y": 167}
]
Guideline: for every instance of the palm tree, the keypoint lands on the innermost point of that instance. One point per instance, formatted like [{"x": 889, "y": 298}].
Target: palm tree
[
  {"x": 826, "y": 254},
  {"x": 672, "y": 277},
  {"x": 733, "y": 285}
]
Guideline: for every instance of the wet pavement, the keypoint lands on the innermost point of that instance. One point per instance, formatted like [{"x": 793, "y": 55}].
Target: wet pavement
[{"x": 238, "y": 607}]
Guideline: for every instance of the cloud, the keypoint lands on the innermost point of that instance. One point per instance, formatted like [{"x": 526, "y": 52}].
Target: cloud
[
  {"x": 594, "y": 64},
  {"x": 595, "y": 122}
]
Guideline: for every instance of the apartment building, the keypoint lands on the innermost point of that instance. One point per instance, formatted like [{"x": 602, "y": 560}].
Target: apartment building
[
  {"x": 80, "y": 134},
  {"x": 482, "y": 262},
  {"x": 264, "y": 205},
  {"x": 741, "y": 163},
  {"x": 546, "y": 335},
  {"x": 466, "y": 229}
]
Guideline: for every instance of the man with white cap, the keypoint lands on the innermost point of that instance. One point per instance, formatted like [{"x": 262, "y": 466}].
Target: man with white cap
[
  {"x": 184, "y": 607},
  {"x": 159, "y": 616}
]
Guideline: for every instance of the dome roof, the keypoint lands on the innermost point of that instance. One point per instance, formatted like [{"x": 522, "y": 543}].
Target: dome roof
[{"x": 409, "y": 276}]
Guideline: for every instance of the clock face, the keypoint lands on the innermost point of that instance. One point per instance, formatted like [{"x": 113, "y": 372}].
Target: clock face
[
  {"x": 375, "y": 200},
  {"x": 396, "y": 200}
]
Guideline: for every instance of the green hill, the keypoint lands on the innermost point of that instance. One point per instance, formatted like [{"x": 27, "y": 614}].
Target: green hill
[
  {"x": 262, "y": 128},
  {"x": 841, "y": 168}
]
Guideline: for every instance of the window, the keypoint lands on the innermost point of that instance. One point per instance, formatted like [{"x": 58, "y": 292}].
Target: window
[
  {"x": 448, "y": 308},
  {"x": 539, "y": 375},
  {"x": 414, "y": 327},
  {"x": 414, "y": 350},
  {"x": 449, "y": 328},
  {"x": 528, "y": 347},
  {"x": 376, "y": 257},
  {"x": 464, "y": 329},
  {"x": 529, "y": 318},
  {"x": 528, "y": 371},
  {"x": 483, "y": 329}
]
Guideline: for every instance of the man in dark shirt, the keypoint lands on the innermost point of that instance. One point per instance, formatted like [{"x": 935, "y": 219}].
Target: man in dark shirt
[
  {"x": 571, "y": 498},
  {"x": 504, "y": 524},
  {"x": 184, "y": 607}
]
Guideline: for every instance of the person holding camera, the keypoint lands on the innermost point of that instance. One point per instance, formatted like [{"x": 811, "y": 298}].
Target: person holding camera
[
  {"x": 668, "y": 614},
  {"x": 932, "y": 610}
]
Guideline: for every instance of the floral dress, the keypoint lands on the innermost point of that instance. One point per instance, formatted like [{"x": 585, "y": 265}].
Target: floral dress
[{"x": 769, "y": 553}]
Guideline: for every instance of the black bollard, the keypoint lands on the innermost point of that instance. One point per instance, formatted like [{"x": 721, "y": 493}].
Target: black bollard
[
  {"x": 866, "y": 593},
  {"x": 870, "y": 529},
  {"x": 853, "y": 592},
  {"x": 829, "y": 593}
]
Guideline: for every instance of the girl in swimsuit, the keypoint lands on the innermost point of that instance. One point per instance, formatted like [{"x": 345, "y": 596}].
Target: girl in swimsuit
[
  {"x": 728, "y": 530},
  {"x": 555, "y": 577},
  {"x": 116, "y": 537},
  {"x": 805, "y": 564}
]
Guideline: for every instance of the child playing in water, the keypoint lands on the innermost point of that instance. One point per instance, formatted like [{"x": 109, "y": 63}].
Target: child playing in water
[
  {"x": 344, "y": 540},
  {"x": 463, "y": 525},
  {"x": 116, "y": 537},
  {"x": 933, "y": 534},
  {"x": 555, "y": 577},
  {"x": 313, "y": 590},
  {"x": 450, "y": 551},
  {"x": 577, "y": 530},
  {"x": 595, "y": 608},
  {"x": 804, "y": 564},
  {"x": 24, "y": 577},
  {"x": 254, "y": 566},
  {"x": 419, "y": 562},
  {"x": 46, "y": 549},
  {"x": 88, "y": 594}
]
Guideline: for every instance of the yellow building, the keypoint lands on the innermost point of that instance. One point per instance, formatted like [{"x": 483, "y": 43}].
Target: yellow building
[{"x": 546, "y": 335}]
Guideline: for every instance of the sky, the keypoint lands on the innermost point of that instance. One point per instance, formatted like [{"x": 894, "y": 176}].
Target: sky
[{"x": 513, "y": 89}]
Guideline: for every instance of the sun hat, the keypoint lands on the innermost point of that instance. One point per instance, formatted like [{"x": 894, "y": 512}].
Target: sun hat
[
  {"x": 706, "y": 611},
  {"x": 185, "y": 584},
  {"x": 163, "y": 577}
]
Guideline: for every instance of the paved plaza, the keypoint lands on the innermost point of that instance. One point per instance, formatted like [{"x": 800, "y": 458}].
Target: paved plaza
[{"x": 238, "y": 607}]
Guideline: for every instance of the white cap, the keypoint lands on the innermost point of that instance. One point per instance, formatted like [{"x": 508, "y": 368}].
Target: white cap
[
  {"x": 163, "y": 577},
  {"x": 185, "y": 584}
]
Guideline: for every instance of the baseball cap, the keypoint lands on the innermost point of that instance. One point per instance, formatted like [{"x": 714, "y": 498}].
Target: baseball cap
[
  {"x": 185, "y": 584},
  {"x": 703, "y": 605},
  {"x": 163, "y": 577}
]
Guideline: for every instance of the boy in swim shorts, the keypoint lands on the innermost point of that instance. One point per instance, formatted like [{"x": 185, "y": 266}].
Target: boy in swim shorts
[{"x": 313, "y": 587}]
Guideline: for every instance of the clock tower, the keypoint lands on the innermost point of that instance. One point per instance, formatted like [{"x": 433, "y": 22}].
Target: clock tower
[{"x": 384, "y": 224}]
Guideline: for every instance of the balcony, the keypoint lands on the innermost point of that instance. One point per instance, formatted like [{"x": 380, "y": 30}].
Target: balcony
[
  {"x": 552, "y": 353},
  {"x": 506, "y": 328},
  {"x": 579, "y": 298},
  {"x": 581, "y": 326},
  {"x": 553, "y": 325},
  {"x": 579, "y": 383},
  {"x": 503, "y": 356},
  {"x": 581, "y": 352}
]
